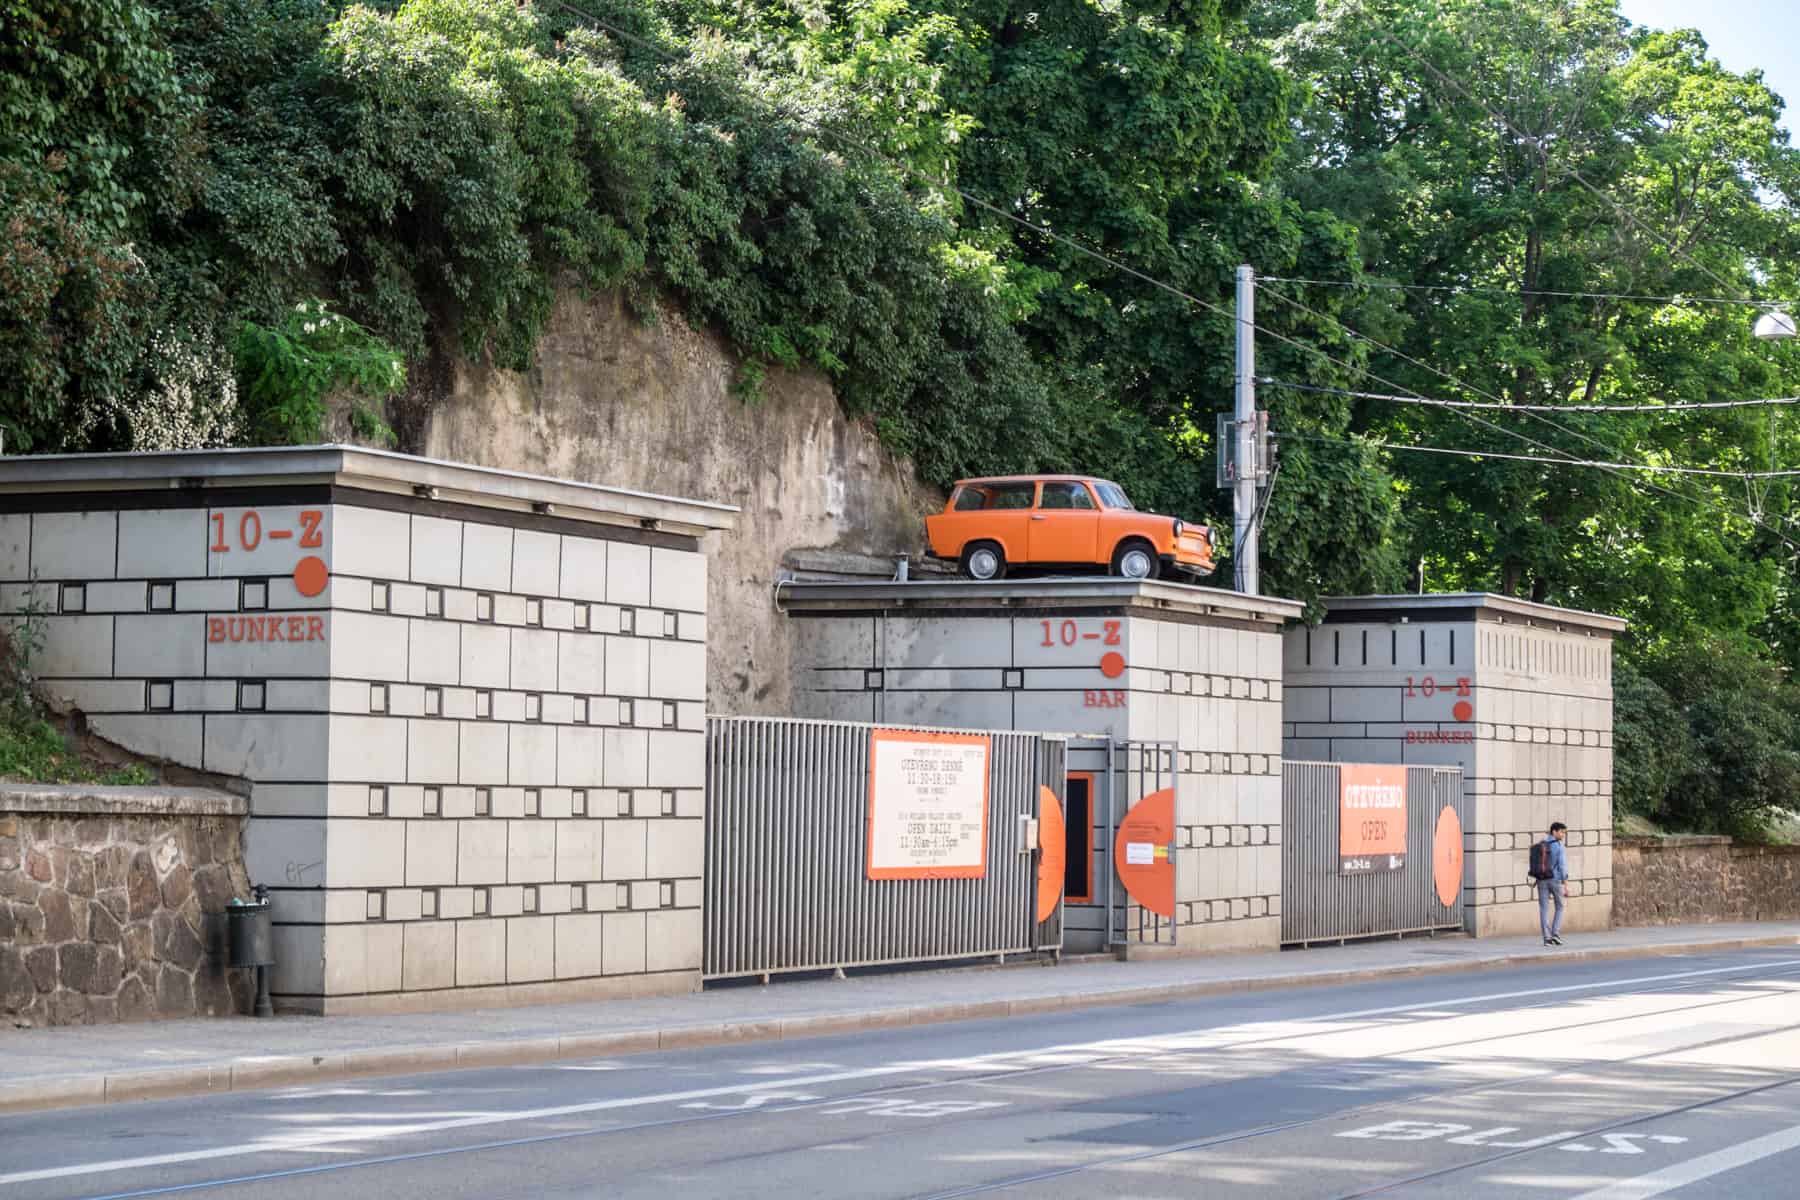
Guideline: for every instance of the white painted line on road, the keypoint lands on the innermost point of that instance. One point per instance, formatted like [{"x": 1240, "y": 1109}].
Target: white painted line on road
[
  {"x": 1098, "y": 1049},
  {"x": 1396, "y": 1009},
  {"x": 1696, "y": 1169}
]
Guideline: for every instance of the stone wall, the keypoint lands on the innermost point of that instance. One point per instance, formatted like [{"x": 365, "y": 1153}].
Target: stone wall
[
  {"x": 112, "y": 904},
  {"x": 1699, "y": 880}
]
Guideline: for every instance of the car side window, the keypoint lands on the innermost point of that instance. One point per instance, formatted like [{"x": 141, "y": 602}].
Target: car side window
[
  {"x": 968, "y": 499},
  {"x": 1066, "y": 496},
  {"x": 1012, "y": 495}
]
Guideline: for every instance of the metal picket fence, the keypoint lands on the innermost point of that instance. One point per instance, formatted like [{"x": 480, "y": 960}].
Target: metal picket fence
[
  {"x": 1318, "y": 904},
  {"x": 786, "y": 851}
]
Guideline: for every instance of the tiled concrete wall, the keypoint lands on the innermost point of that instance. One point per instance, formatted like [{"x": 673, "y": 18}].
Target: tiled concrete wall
[
  {"x": 477, "y": 751},
  {"x": 1524, "y": 706},
  {"x": 1217, "y": 693},
  {"x": 1211, "y": 686}
]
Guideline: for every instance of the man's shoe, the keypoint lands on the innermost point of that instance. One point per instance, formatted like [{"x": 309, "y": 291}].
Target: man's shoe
[
  {"x": 1555, "y": 940},
  {"x": 1548, "y": 942}
]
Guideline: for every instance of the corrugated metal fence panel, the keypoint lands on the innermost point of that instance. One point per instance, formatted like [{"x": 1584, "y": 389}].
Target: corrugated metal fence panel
[
  {"x": 786, "y": 837},
  {"x": 1320, "y": 904}
]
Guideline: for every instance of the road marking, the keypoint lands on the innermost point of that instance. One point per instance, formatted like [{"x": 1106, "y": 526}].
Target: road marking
[
  {"x": 757, "y": 1100},
  {"x": 1193, "y": 1041},
  {"x": 1623, "y": 1143},
  {"x": 895, "y": 1106},
  {"x": 1696, "y": 1169},
  {"x": 1467, "y": 1135}
]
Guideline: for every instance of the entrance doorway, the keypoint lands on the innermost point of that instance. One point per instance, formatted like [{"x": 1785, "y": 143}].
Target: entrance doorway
[{"x": 1078, "y": 864}]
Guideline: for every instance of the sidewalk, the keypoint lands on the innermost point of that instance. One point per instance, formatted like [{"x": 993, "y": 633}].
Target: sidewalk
[{"x": 47, "y": 1068}]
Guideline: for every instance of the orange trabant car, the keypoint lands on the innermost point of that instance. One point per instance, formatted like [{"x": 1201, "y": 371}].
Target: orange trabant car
[{"x": 1061, "y": 521}]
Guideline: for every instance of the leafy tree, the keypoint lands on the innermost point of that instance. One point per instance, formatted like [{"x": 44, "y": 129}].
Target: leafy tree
[
  {"x": 96, "y": 139},
  {"x": 1547, "y": 147},
  {"x": 1652, "y": 744},
  {"x": 1708, "y": 738}
]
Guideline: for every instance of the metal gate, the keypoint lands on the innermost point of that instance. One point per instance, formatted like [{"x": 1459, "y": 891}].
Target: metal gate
[
  {"x": 1319, "y": 904},
  {"x": 1106, "y": 778},
  {"x": 787, "y": 837}
]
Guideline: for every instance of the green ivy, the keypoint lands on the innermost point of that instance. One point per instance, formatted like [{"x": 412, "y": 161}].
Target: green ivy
[{"x": 291, "y": 370}]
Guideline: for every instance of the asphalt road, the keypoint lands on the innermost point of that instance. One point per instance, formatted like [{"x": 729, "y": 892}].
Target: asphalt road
[{"x": 1607, "y": 1081}]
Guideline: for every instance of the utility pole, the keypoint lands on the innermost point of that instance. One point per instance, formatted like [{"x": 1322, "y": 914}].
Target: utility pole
[{"x": 1244, "y": 537}]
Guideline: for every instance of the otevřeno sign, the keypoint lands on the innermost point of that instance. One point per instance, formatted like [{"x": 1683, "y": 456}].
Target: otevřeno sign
[{"x": 1371, "y": 818}]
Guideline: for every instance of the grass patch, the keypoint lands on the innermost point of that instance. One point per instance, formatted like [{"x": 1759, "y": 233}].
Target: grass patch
[{"x": 32, "y": 750}]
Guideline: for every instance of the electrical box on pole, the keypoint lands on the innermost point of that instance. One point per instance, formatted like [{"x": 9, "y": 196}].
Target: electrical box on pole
[{"x": 1262, "y": 457}]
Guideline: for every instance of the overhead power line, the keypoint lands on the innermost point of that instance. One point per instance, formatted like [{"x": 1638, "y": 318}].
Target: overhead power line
[
  {"x": 1647, "y": 410},
  {"x": 1476, "y": 290},
  {"x": 1124, "y": 268},
  {"x": 1612, "y": 453},
  {"x": 1538, "y": 459}
]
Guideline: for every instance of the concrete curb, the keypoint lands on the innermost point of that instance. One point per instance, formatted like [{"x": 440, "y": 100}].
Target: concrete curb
[{"x": 243, "y": 1074}]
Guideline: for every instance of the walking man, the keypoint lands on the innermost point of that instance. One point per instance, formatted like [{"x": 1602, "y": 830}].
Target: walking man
[{"x": 1550, "y": 871}]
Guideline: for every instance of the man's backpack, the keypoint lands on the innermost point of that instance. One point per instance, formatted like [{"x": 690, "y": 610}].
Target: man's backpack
[{"x": 1542, "y": 866}]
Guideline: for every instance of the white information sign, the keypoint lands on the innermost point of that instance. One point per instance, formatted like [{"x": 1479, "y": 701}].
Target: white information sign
[
  {"x": 928, "y": 802},
  {"x": 1140, "y": 854}
]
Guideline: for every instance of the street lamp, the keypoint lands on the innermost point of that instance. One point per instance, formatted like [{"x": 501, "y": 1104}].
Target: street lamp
[{"x": 1773, "y": 325}]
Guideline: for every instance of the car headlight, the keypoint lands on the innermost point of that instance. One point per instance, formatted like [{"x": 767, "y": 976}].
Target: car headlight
[{"x": 1178, "y": 527}]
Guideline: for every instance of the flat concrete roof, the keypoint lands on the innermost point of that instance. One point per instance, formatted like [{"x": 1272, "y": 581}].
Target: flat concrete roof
[
  {"x": 358, "y": 467},
  {"x": 860, "y": 596},
  {"x": 1449, "y": 606}
]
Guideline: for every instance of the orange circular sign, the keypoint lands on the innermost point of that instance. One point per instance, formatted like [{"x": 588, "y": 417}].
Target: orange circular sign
[
  {"x": 1112, "y": 664},
  {"x": 1447, "y": 856},
  {"x": 1144, "y": 853},
  {"x": 310, "y": 575},
  {"x": 1463, "y": 710},
  {"x": 1053, "y": 840}
]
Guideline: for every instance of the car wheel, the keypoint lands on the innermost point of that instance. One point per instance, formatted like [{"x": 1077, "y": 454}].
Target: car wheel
[
  {"x": 1135, "y": 560},
  {"x": 984, "y": 561}
]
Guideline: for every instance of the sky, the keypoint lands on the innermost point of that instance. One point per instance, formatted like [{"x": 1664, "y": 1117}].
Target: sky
[{"x": 1742, "y": 34}]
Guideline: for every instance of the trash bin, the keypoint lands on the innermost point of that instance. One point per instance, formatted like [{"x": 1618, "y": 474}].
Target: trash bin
[{"x": 250, "y": 943}]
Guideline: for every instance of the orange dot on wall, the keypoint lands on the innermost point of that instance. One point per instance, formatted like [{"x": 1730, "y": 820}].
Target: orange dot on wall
[
  {"x": 310, "y": 575},
  {"x": 1112, "y": 664},
  {"x": 1463, "y": 710}
]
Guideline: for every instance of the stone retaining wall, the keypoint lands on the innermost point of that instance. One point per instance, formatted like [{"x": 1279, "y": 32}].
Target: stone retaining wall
[
  {"x": 1698, "y": 880},
  {"x": 112, "y": 903}
]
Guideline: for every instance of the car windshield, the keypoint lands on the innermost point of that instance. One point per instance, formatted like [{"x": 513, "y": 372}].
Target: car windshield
[{"x": 1113, "y": 495}]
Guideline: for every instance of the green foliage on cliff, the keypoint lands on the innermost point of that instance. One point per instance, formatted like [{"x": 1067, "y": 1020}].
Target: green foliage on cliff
[{"x": 440, "y": 169}]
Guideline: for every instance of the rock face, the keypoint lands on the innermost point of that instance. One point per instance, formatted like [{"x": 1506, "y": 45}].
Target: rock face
[
  {"x": 102, "y": 915},
  {"x": 1695, "y": 880},
  {"x": 618, "y": 402}
]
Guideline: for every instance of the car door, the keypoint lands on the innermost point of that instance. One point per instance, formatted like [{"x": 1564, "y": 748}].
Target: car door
[
  {"x": 1065, "y": 526},
  {"x": 1006, "y": 518}
]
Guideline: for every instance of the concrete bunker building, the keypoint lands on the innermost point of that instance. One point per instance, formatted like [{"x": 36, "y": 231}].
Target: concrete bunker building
[
  {"x": 468, "y": 706},
  {"x": 1517, "y": 694},
  {"x": 469, "y": 703}
]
